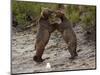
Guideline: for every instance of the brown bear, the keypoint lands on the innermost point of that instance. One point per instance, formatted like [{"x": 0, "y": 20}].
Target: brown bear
[{"x": 49, "y": 21}]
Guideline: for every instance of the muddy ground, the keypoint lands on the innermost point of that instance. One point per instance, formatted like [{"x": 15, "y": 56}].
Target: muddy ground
[{"x": 56, "y": 53}]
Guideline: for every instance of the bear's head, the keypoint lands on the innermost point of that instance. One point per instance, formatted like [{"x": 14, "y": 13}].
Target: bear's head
[{"x": 46, "y": 12}]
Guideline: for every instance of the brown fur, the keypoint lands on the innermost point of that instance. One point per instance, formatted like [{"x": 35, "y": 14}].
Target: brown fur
[{"x": 45, "y": 29}]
